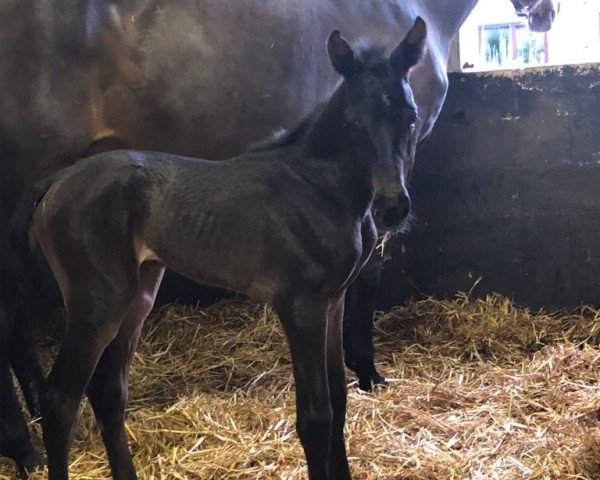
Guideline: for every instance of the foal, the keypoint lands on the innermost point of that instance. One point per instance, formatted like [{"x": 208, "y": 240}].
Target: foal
[{"x": 289, "y": 222}]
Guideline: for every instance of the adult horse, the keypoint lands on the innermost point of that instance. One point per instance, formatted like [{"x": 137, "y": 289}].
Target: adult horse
[{"x": 194, "y": 77}]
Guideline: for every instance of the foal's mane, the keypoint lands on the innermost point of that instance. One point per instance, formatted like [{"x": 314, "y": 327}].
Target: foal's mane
[
  {"x": 369, "y": 59},
  {"x": 285, "y": 138}
]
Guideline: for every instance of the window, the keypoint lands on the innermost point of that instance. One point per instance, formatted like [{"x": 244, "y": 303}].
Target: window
[
  {"x": 493, "y": 37},
  {"x": 511, "y": 46}
]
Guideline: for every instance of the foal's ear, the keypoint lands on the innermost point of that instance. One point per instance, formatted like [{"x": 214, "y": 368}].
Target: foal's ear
[
  {"x": 340, "y": 53},
  {"x": 411, "y": 49}
]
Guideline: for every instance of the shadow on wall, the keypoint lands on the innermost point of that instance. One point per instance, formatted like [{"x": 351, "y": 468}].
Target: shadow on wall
[{"x": 508, "y": 188}]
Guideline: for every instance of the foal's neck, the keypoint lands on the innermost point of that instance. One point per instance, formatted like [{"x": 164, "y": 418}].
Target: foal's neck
[
  {"x": 326, "y": 135},
  {"x": 331, "y": 143}
]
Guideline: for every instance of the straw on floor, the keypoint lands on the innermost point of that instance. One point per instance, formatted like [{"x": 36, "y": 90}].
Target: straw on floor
[{"x": 479, "y": 389}]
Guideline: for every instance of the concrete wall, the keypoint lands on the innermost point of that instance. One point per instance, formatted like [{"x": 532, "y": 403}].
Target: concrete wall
[{"x": 508, "y": 188}]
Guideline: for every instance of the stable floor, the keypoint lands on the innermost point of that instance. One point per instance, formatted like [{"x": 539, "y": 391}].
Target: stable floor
[{"x": 479, "y": 389}]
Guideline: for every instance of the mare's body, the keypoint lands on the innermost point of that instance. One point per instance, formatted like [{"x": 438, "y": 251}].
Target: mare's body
[{"x": 192, "y": 77}]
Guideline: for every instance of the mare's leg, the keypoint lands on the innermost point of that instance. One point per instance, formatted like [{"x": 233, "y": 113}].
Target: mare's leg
[
  {"x": 96, "y": 303},
  {"x": 26, "y": 364},
  {"x": 108, "y": 387},
  {"x": 358, "y": 323},
  {"x": 15, "y": 441},
  {"x": 304, "y": 318},
  {"x": 338, "y": 466}
]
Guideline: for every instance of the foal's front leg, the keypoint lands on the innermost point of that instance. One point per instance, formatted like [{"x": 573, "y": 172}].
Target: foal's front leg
[
  {"x": 358, "y": 323},
  {"x": 304, "y": 318},
  {"x": 338, "y": 466}
]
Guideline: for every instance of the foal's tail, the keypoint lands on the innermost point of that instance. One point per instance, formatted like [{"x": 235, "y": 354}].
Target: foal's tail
[
  {"x": 37, "y": 291},
  {"x": 35, "y": 286},
  {"x": 21, "y": 220},
  {"x": 33, "y": 297}
]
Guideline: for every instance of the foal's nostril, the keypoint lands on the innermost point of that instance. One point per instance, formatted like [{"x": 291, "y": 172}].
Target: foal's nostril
[{"x": 391, "y": 212}]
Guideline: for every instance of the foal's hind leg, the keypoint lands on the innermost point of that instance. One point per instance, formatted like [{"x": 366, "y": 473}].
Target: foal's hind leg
[
  {"x": 96, "y": 303},
  {"x": 108, "y": 387}
]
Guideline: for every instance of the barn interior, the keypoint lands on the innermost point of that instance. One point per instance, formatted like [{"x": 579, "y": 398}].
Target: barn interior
[{"x": 487, "y": 329}]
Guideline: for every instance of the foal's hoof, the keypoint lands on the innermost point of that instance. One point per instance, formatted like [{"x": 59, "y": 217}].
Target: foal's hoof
[
  {"x": 368, "y": 377},
  {"x": 366, "y": 382},
  {"x": 366, "y": 372},
  {"x": 378, "y": 379}
]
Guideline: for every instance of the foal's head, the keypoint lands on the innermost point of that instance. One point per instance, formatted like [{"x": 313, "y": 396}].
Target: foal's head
[{"x": 381, "y": 113}]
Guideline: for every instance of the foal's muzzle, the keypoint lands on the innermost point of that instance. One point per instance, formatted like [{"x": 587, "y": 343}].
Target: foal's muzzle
[{"x": 390, "y": 213}]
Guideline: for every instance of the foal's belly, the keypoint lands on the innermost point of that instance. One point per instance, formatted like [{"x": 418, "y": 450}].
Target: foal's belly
[
  {"x": 255, "y": 252},
  {"x": 218, "y": 249}
]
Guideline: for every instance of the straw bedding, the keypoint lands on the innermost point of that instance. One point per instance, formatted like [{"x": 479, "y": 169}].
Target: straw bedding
[{"x": 479, "y": 389}]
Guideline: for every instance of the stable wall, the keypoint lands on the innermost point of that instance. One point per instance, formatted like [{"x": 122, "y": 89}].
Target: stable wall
[{"x": 508, "y": 189}]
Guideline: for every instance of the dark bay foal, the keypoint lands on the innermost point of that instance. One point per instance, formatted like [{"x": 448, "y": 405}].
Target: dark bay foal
[{"x": 289, "y": 222}]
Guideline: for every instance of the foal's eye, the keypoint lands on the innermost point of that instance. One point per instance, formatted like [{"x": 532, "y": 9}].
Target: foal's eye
[{"x": 410, "y": 119}]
